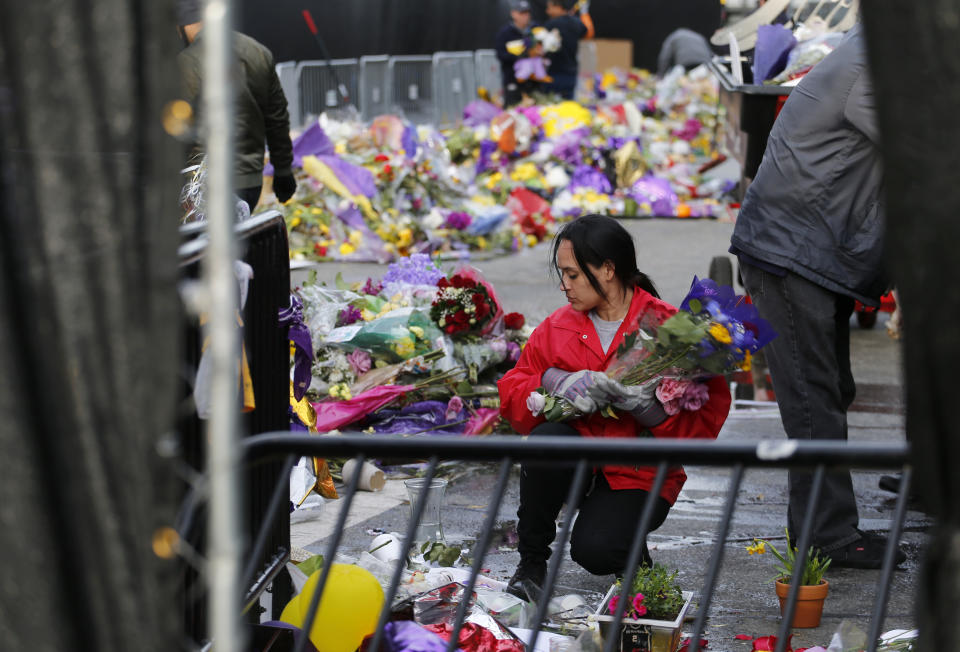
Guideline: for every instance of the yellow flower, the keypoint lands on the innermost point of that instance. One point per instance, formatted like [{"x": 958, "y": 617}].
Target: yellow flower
[
  {"x": 720, "y": 333},
  {"x": 405, "y": 238},
  {"x": 346, "y": 249},
  {"x": 340, "y": 148},
  {"x": 524, "y": 172},
  {"x": 494, "y": 180},
  {"x": 481, "y": 243},
  {"x": 404, "y": 347},
  {"x": 747, "y": 363},
  {"x": 367, "y": 315},
  {"x": 295, "y": 222},
  {"x": 356, "y": 237},
  {"x": 531, "y": 240},
  {"x": 609, "y": 79},
  {"x": 416, "y": 330}
]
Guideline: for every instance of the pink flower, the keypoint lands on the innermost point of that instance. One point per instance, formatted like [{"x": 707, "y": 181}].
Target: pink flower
[
  {"x": 359, "y": 361},
  {"x": 695, "y": 397},
  {"x": 612, "y": 604},
  {"x": 638, "y": 607},
  {"x": 454, "y": 407},
  {"x": 671, "y": 407},
  {"x": 671, "y": 389},
  {"x": 536, "y": 403},
  {"x": 513, "y": 351}
]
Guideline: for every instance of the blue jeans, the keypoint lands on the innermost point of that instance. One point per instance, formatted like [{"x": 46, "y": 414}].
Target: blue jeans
[
  {"x": 810, "y": 368},
  {"x": 605, "y": 525}
]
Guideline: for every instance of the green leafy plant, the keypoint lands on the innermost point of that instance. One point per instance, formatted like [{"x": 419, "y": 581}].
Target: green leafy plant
[
  {"x": 813, "y": 569},
  {"x": 654, "y": 593},
  {"x": 437, "y": 552}
]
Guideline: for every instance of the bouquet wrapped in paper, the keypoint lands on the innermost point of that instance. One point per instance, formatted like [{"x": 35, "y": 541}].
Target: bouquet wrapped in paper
[{"x": 714, "y": 332}]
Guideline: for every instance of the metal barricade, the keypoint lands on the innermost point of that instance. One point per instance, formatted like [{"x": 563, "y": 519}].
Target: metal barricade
[
  {"x": 327, "y": 85},
  {"x": 454, "y": 83},
  {"x": 411, "y": 87},
  {"x": 263, "y": 241},
  {"x": 581, "y": 455},
  {"x": 287, "y": 73},
  {"x": 374, "y": 86},
  {"x": 487, "y": 67}
]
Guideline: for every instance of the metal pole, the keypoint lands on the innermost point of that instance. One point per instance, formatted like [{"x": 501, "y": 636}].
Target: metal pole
[{"x": 224, "y": 529}]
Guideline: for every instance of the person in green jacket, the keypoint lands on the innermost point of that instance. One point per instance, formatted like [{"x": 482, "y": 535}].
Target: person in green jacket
[{"x": 261, "y": 107}]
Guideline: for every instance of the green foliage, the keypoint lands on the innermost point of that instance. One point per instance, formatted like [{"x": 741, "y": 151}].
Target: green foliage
[
  {"x": 439, "y": 553},
  {"x": 661, "y": 593},
  {"x": 311, "y": 565},
  {"x": 813, "y": 569}
]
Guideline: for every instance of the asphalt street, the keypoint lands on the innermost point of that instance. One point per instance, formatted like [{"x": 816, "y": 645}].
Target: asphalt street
[{"x": 672, "y": 251}]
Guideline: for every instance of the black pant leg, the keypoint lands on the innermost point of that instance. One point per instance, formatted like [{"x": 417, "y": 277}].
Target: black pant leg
[{"x": 543, "y": 489}]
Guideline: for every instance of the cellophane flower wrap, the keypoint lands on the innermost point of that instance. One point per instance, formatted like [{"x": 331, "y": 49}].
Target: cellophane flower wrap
[{"x": 714, "y": 332}]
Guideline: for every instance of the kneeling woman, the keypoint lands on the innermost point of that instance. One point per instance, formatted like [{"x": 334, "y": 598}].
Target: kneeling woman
[{"x": 595, "y": 259}]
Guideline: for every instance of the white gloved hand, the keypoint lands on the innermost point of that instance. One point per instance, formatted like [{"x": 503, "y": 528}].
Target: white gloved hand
[{"x": 632, "y": 397}]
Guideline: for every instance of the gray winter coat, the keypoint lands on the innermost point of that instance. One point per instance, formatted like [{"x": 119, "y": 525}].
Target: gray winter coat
[{"x": 815, "y": 207}]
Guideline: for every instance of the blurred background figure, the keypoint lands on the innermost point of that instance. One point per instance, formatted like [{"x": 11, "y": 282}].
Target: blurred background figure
[
  {"x": 683, "y": 47},
  {"x": 563, "y": 62},
  {"x": 261, "y": 107},
  {"x": 517, "y": 29}
]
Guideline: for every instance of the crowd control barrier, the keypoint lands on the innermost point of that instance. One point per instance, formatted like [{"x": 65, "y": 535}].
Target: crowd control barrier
[{"x": 583, "y": 454}]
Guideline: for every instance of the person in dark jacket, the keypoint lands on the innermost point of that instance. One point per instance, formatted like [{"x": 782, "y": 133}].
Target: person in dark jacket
[
  {"x": 563, "y": 63},
  {"x": 261, "y": 107},
  {"x": 809, "y": 238},
  {"x": 517, "y": 29}
]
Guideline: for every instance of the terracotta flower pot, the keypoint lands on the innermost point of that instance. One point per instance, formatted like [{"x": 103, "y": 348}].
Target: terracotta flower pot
[{"x": 809, "y": 603}]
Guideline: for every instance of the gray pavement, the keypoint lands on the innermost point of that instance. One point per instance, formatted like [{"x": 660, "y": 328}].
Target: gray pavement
[{"x": 672, "y": 251}]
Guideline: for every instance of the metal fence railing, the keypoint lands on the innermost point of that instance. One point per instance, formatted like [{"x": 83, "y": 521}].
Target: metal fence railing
[
  {"x": 287, "y": 72},
  {"x": 583, "y": 454},
  {"x": 411, "y": 87},
  {"x": 374, "y": 86},
  {"x": 454, "y": 85},
  {"x": 487, "y": 67},
  {"x": 326, "y": 85}
]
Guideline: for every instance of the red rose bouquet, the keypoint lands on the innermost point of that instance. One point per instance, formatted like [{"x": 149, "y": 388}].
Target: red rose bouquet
[{"x": 463, "y": 305}]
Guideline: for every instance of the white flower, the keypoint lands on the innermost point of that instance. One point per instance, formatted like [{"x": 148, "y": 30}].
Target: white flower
[
  {"x": 535, "y": 403},
  {"x": 433, "y": 220}
]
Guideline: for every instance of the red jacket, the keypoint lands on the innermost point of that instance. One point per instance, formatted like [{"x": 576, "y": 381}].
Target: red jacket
[{"x": 567, "y": 340}]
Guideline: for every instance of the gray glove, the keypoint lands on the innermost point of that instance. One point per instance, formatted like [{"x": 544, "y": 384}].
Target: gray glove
[
  {"x": 639, "y": 400},
  {"x": 581, "y": 388}
]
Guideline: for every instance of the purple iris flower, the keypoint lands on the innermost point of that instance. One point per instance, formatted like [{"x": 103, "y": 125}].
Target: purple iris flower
[{"x": 585, "y": 176}]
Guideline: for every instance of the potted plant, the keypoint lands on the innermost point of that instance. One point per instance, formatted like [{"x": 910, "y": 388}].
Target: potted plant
[
  {"x": 654, "y": 615},
  {"x": 813, "y": 588}
]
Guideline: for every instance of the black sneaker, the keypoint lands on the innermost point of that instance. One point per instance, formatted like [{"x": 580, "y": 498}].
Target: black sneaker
[
  {"x": 527, "y": 580},
  {"x": 865, "y": 552}
]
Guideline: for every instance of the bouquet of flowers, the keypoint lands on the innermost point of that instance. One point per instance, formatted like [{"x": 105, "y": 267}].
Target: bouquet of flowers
[
  {"x": 654, "y": 593},
  {"x": 463, "y": 305},
  {"x": 714, "y": 332}
]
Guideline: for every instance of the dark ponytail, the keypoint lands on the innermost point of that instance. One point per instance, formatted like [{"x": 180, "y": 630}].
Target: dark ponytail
[{"x": 597, "y": 239}]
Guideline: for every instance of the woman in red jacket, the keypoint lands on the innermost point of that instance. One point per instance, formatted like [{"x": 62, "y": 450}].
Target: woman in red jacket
[{"x": 594, "y": 257}]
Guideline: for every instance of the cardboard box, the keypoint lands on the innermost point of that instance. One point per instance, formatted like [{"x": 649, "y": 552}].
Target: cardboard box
[{"x": 613, "y": 53}]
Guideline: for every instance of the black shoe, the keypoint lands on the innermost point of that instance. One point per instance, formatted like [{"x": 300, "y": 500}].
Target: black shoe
[
  {"x": 865, "y": 552},
  {"x": 527, "y": 580}
]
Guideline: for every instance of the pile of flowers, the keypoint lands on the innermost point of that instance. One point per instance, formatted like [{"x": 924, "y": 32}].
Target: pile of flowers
[
  {"x": 634, "y": 146},
  {"x": 418, "y": 350}
]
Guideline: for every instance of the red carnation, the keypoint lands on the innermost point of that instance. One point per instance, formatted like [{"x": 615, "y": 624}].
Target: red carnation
[
  {"x": 514, "y": 321},
  {"x": 443, "y": 283},
  {"x": 381, "y": 157}
]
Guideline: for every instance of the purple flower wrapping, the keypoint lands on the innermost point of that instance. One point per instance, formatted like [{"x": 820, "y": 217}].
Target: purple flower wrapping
[
  {"x": 299, "y": 334},
  {"x": 585, "y": 176}
]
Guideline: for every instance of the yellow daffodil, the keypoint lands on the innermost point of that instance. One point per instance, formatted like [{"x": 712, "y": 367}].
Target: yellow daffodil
[
  {"x": 608, "y": 80},
  {"x": 747, "y": 363},
  {"x": 481, "y": 242},
  {"x": 405, "y": 238},
  {"x": 346, "y": 249},
  {"x": 524, "y": 172},
  {"x": 720, "y": 333}
]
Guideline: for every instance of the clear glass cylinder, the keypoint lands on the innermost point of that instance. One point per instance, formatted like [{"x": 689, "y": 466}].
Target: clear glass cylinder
[{"x": 430, "y": 527}]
